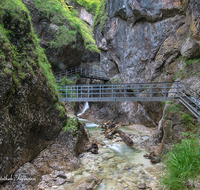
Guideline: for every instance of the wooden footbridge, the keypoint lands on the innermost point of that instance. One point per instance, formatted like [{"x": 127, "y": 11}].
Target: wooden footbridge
[
  {"x": 133, "y": 92},
  {"x": 82, "y": 71}
]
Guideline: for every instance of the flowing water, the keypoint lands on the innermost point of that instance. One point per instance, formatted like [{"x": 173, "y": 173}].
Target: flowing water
[
  {"x": 121, "y": 166},
  {"x": 85, "y": 107}
]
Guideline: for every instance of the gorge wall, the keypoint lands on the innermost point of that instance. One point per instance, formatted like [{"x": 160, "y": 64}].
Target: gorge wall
[
  {"x": 31, "y": 116},
  {"x": 147, "y": 41}
]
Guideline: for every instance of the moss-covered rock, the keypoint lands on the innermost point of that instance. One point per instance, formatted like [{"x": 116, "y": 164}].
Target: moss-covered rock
[{"x": 29, "y": 114}]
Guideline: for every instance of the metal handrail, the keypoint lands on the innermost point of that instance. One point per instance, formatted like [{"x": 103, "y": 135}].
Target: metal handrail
[
  {"x": 83, "y": 72},
  {"x": 188, "y": 87},
  {"x": 159, "y": 91}
]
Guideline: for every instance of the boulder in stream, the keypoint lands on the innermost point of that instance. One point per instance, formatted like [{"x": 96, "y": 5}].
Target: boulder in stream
[{"x": 88, "y": 183}]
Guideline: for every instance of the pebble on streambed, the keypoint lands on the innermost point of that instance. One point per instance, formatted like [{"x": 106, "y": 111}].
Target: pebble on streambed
[{"x": 121, "y": 167}]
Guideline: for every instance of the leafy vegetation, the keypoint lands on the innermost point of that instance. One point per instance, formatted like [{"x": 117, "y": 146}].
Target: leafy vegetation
[
  {"x": 65, "y": 81},
  {"x": 60, "y": 14},
  {"x": 186, "y": 118},
  {"x": 90, "y": 5},
  {"x": 191, "y": 68},
  {"x": 182, "y": 164},
  {"x": 64, "y": 37},
  {"x": 174, "y": 108},
  {"x": 26, "y": 58},
  {"x": 61, "y": 108},
  {"x": 71, "y": 125},
  {"x": 101, "y": 15}
]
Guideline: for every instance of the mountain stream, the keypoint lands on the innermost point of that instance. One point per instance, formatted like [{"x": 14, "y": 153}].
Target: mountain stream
[{"x": 121, "y": 166}]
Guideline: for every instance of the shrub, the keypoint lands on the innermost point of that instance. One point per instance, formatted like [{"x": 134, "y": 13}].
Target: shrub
[
  {"x": 186, "y": 118},
  {"x": 174, "y": 108},
  {"x": 182, "y": 164},
  {"x": 60, "y": 13},
  {"x": 101, "y": 15},
  {"x": 71, "y": 125},
  {"x": 90, "y": 5},
  {"x": 64, "y": 81}
]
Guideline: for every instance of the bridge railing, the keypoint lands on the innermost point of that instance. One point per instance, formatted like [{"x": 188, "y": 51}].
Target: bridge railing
[
  {"x": 119, "y": 92},
  {"x": 82, "y": 71},
  {"x": 189, "y": 95}
]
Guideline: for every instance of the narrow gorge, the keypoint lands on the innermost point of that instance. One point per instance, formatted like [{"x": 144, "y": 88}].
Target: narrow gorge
[{"x": 47, "y": 143}]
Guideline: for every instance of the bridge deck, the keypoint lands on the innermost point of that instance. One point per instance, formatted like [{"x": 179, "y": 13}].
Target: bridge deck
[{"x": 133, "y": 92}]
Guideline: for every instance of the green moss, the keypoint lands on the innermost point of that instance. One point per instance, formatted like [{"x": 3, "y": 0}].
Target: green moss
[
  {"x": 65, "y": 81},
  {"x": 18, "y": 60},
  {"x": 71, "y": 125},
  {"x": 90, "y": 5},
  {"x": 191, "y": 67},
  {"x": 192, "y": 62},
  {"x": 101, "y": 15},
  {"x": 60, "y": 13},
  {"x": 61, "y": 108},
  {"x": 64, "y": 37}
]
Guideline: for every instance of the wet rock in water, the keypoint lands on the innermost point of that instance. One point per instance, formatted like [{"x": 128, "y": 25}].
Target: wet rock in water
[
  {"x": 93, "y": 149},
  {"x": 89, "y": 183},
  {"x": 153, "y": 157},
  {"x": 149, "y": 155},
  {"x": 80, "y": 172},
  {"x": 155, "y": 160},
  {"x": 108, "y": 157},
  {"x": 142, "y": 186},
  {"x": 127, "y": 168}
]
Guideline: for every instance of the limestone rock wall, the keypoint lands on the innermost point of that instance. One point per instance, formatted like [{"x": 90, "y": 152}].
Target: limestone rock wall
[{"x": 141, "y": 41}]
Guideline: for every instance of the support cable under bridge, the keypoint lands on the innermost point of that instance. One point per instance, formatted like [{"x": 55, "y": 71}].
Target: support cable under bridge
[{"x": 133, "y": 92}]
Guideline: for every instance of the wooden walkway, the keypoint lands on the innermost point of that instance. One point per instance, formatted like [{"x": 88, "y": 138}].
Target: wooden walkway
[
  {"x": 85, "y": 72},
  {"x": 133, "y": 92}
]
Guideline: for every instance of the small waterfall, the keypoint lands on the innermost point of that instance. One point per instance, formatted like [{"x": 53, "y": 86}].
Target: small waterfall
[{"x": 85, "y": 107}]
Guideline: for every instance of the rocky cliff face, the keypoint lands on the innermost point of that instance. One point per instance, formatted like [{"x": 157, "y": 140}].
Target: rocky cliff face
[
  {"x": 31, "y": 117},
  {"x": 63, "y": 55},
  {"x": 141, "y": 42}
]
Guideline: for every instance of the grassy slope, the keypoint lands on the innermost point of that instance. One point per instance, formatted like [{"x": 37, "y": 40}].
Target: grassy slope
[{"x": 60, "y": 14}]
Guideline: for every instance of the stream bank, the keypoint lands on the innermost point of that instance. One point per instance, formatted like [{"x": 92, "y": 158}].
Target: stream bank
[{"x": 117, "y": 166}]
